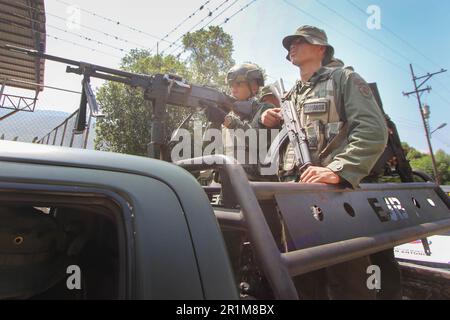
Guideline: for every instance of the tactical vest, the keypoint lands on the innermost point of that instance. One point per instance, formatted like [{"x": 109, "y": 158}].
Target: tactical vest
[
  {"x": 241, "y": 147},
  {"x": 230, "y": 143},
  {"x": 320, "y": 116}
]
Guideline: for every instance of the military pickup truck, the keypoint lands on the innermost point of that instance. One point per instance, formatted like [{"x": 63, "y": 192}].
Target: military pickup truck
[{"x": 80, "y": 224}]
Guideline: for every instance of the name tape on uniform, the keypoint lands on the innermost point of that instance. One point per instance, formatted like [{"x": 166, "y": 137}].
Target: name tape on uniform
[{"x": 315, "y": 107}]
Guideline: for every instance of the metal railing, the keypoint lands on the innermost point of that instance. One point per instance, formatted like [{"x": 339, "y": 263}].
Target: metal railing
[
  {"x": 66, "y": 134},
  {"x": 354, "y": 225}
]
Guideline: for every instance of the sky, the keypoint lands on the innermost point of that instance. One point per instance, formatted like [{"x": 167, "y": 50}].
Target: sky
[{"x": 380, "y": 50}]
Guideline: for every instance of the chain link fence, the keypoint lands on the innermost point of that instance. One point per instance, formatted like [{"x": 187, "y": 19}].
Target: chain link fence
[{"x": 47, "y": 127}]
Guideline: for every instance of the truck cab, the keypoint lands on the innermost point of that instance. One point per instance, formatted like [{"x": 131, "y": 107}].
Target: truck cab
[
  {"x": 82, "y": 224},
  {"x": 134, "y": 228}
]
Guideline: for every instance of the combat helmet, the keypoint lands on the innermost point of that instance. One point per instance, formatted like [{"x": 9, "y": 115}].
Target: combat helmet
[
  {"x": 32, "y": 252},
  {"x": 245, "y": 72}
]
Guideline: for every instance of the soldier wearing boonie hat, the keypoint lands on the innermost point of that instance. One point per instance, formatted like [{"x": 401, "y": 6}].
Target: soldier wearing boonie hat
[
  {"x": 346, "y": 134},
  {"x": 312, "y": 35}
]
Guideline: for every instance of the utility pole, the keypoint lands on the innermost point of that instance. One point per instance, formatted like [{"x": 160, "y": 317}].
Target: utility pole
[{"x": 418, "y": 93}]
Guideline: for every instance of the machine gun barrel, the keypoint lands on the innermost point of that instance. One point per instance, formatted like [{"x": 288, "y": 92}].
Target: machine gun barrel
[
  {"x": 88, "y": 69},
  {"x": 159, "y": 89},
  {"x": 180, "y": 94}
]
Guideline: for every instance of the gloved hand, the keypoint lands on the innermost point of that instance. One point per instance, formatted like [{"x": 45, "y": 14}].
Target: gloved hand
[
  {"x": 213, "y": 113},
  {"x": 244, "y": 108},
  {"x": 226, "y": 101}
]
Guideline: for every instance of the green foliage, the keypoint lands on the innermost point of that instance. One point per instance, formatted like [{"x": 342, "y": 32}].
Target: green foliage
[
  {"x": 210, "y": 55},
  {"x": 422, "y": 162},
  {"x": 126, "y": 127},
  {"x": 127, "y": 122}
]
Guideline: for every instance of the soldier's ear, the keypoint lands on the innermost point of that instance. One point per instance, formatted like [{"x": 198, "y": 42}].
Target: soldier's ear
[
  {"x": 255, "y": 87},
  {"x": 323, "y": 50}
]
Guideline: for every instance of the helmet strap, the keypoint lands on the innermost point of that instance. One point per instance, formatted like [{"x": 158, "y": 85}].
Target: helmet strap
[{"x": 251, "y": 90}]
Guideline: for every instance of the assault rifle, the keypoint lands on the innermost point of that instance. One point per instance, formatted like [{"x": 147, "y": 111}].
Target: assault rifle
[
  {"x": 160, "y": 90},
  {"x": 296, "y": 134},
  {"x": 291, "y": 130}
]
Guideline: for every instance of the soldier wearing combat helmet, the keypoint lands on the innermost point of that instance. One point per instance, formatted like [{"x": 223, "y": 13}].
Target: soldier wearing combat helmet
[
  {"x": 346, "y": 134},
  {"x": 245, "y": 81}
]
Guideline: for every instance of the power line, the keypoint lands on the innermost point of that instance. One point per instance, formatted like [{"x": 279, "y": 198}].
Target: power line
[
  {"x": 240, "y": 10},
  {"x": 363, "y": 30},
  {"x": 81, "y": 46},
  {"x": 116, "y": 22},
  {"x": 115, "y": 37},
  {"x": 84, "y": 26},
  {"x": 442, "y": 140},
  {"x": 395, "y": 35},
  {"x": 70, "y": 32},
  {"x": 41, "y": 85},
  {"x": 359, "y": 44},
  {"x": 192, "y": 28},
  {"x": 401, "y": 39},
  {"x": 207, "y": 24},
  {"x": 60, "y": 39},
  {"x": 225, "y": 21},
  {"x": 181, "y": 23},
  {"x": 345, "y": 35},
  {"x": 404, "y": 123},
  {"x": 87, "y": 38},
  {"x": 408, "y": 120}
]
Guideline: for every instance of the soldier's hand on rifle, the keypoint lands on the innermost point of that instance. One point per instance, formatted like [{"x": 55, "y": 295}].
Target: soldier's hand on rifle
[
  {"x": 213, "y": 113},
  {"x": 226, "y": 101},
  {"x": 271, "y": 118},
  {"x": 319, "y": 175}
]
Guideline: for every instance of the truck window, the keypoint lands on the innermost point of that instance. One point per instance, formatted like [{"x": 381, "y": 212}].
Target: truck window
[{"x": 57, "y": 248}]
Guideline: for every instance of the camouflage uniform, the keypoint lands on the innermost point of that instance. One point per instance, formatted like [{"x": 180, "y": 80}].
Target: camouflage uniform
[
  {"x": 231, "y": 145},
  {"x": 345, "y": 128},
  {"x": 244, "y": 73},
  {"x": 346, "y": 133}
]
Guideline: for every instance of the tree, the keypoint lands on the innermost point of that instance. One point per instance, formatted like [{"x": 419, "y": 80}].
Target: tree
[
  {"x": 127, "y": 122},
  {"x": 126, "y": 127},
  {"x": 210, "y": 55},
  {"x": 422, "y": 162}
]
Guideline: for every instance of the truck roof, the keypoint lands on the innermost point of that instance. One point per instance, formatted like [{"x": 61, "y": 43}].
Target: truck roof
[
  {"x": 82, "y": 158},
  {"x": 204, "y": 229}
]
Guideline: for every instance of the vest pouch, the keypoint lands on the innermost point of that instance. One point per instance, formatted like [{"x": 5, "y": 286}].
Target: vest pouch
[
  {"x": 332, "y": 129},
  {"x": 315, "y": 134},
  {"x": 288, "y": 159},
  {"x": 316, "y": 109}
]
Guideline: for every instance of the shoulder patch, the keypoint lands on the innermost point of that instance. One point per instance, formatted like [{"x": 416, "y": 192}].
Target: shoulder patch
[{"x": 363, "y": 87}]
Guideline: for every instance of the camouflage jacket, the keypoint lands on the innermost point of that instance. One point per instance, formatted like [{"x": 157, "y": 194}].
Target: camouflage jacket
[
  {"x": 232, "y": 144},
  {"x": 251, "y": 121},
  {"x": 354, "y": 135}
]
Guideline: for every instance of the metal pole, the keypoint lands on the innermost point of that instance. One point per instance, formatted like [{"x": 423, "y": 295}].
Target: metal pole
[
  {"x": 3, "y": 88},
  {"x": 427, "y": 134},
  {"x": 267, "y": 252},
  {"x": 86, "y": 132},
  {"x": 440, "y": 127}
]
